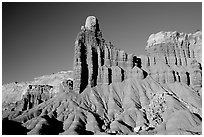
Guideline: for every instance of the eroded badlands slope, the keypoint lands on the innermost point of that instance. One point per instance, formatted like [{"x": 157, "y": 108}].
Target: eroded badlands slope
[{"x": 114, "y": 92}]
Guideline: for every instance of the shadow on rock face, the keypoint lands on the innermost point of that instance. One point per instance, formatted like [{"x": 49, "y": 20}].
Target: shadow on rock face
[
  {"x": 84, "y": 132},
  {"x": 144, "y": 73},
  {"x": 50, "y": 126},
  {"x": 137, "y": 61},
  {"x": 10, "y": 127}
]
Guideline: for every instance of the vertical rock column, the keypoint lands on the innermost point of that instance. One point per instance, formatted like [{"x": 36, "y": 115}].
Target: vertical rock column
[
  {"x": 196, "y": 79},
  {"x": 86, "y": 57},
  {"x": 80, "y": 65},
  {"x": 195, "y": 46},
  {"x": 114, "y": 56},
  {"x": 107, "y": 61},
  {"x": 122, "y": 59},
  {"x": 172, "y": 54},
  {"x": 117, "y": 75},
  {"x": 178, "y": 56},
  {"x": 182, "y": 45},
  {"x": 91, "y": 42},
  {"x": 128, "y": 70}
]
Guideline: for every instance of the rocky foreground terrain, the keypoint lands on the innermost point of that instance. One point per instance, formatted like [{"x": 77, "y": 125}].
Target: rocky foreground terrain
[{"x": 113, "y": 92}]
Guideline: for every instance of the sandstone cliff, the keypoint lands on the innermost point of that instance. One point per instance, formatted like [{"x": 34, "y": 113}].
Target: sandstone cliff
[
  {"x": 14, "y": 91},
  {"x": 118, "y": 93}
]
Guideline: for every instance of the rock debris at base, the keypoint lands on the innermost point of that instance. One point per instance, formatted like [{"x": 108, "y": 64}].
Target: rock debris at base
[{"x": 111, "y": 92}]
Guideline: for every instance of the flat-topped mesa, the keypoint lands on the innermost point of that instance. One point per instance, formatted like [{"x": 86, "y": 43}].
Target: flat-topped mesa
[
  {"x": 171, "y": 57},
  {"x": 177, "y": 48},
  {"x": 94, "y": 58},
  {"x": 180, "y": 51}
]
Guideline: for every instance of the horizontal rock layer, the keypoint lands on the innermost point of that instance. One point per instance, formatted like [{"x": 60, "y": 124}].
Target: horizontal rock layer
[
  {"x": 175, "y": 56},
  {"x": 113, "y": 92},
  {"x": 170, "y": 57},
  {"x": 14, "y": 91}
]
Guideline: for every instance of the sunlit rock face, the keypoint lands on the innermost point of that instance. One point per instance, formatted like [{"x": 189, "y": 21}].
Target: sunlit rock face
[
  {"x": 97, "y": 61},
  {"x": 91, "y": 23},
  {"x": 178, "y": 55},
  {"x": 114, "y": 92}
]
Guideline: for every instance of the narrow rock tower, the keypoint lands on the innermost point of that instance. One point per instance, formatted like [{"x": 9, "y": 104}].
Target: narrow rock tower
[
  {"x": 86, "y": 58},
  {"x": 98, "y": 62},
  {"x": 170, "y": 57}
]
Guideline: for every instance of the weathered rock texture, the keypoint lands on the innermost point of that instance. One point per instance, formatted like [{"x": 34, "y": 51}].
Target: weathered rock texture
[
  {"x": 114, "y": 92},
  {"x": 98, "y": 62},
  {"x": 14, "y": 91},
  {"x": 171, "y": 57}
]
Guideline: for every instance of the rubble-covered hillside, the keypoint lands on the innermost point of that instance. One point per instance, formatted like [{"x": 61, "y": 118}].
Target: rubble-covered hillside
[{"x": 113, "y": 92}]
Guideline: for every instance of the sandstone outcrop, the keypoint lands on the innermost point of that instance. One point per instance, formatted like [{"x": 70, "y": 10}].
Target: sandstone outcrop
[
  {"x": 174, "y": 57},
  {"x": 171, "y": 57},
  {"x": 97, "y": 61},
  {"x": 113, "y": 92},
  {"x": 14, "y": 92}
]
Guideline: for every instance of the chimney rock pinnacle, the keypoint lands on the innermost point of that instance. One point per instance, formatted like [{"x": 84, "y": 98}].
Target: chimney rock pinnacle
[{"x": 91, "y": 23}]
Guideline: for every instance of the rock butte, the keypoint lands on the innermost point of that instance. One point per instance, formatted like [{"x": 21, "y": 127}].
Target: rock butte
[
  {"x": 113, "y": 92},
  {"x": 171, "y": 57}
]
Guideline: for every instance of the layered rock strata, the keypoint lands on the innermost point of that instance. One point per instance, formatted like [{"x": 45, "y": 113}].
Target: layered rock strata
[
  {"x": 99, "y": 62},
  {"x": 170, "y": 57},
  {"x": 117, "y": 93},
  {"x": 173, "y": 56},
  {"x": 33, "y": 91}
]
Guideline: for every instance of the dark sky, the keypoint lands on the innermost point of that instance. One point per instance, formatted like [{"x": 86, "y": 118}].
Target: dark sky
[{"x": 38, "y": 38}]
